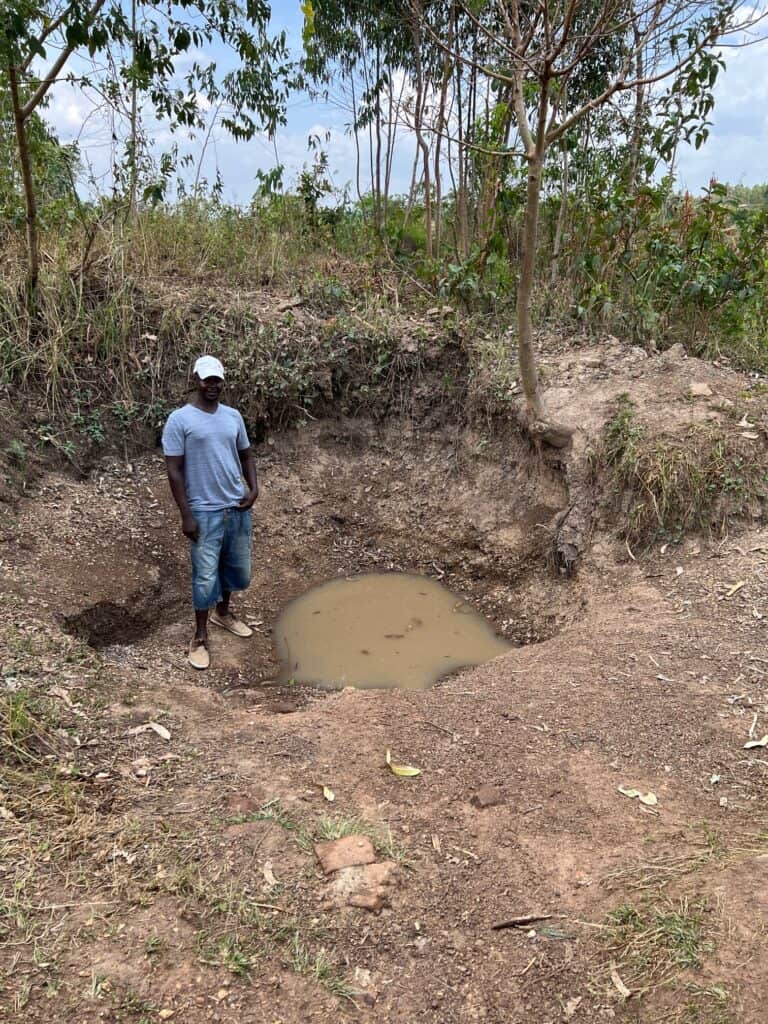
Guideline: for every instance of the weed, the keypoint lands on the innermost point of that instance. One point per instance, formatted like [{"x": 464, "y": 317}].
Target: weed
[
  {"x": 329, "y": 829},
  {"x": 274, "y": 811},
  {"x": 154, "y": 946},
  {"x": 100, "y": 985},
  {"x": 319, "y": 967},
  {"x": 229, "y": 952},
  {"x": 653, "y": 944},
  {"x": 24, "y": 735},
  {"x": 17, "y": 453},
  {"x": 133, "y": 1003},
  {"x": 667, "y": 485}
]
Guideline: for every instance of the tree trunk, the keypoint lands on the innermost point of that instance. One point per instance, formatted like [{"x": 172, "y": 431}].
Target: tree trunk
[
  {"x": 559, "y": 229},
  {"x": 528, "y": 372},
  {"x": 636, "y": 143},
  {"x": 134, "y": 170},
  {"x": 442, "y": 127},
  {"x": 418, "y": 125},
  {"x": 461, "y": 191},
  {"x": 377, "y": 186},
  {"x": 33, "y": 245}
]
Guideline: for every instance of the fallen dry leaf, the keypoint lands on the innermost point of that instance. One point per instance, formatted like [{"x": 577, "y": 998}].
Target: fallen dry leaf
[
  {"x": 627, "y": 791},
  {"x": 405, "y": 771},
  {"x": 329, "y": 795},
  {"x": 619, "y": 985},
  {"x": 161, "y": 730},
  {"x": 649, "y": 799},
  {"x": 571, "y": 1007}
]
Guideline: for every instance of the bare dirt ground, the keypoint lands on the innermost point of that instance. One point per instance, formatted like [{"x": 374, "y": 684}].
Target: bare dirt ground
[{"x": 171, "y": 875}]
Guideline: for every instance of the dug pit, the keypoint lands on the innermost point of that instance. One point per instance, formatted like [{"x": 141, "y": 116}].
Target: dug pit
[
  {"x": 343, "y": 499},
  {"x": 381, "y": 630}
]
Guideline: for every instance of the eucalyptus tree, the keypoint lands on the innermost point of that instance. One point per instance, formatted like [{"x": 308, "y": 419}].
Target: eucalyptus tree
[
  {"x": 539, "y": 49},
  {"x": 364, "y": 48},
  {"x": 40, "y": 41}
]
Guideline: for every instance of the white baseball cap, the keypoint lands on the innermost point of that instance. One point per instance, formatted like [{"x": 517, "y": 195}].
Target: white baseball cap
[{"x": 207, "y": 366}]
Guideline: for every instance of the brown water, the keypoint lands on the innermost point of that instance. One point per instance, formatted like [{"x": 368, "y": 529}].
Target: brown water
[{"x": 381, "y": 630}]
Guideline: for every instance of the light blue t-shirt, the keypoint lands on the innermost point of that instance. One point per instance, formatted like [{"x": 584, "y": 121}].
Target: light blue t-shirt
[{"x": 210, "y": 443}]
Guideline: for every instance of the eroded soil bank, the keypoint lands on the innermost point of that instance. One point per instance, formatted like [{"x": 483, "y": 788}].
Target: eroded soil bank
[{"x": 147, "y": 878}]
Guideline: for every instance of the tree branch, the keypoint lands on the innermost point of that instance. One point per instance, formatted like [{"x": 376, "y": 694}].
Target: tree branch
[{"x": 39, "y": 94}]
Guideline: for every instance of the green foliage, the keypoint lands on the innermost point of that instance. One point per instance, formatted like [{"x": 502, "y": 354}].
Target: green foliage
[
  {"x": 661, "y": 265},
  {"x": 656, "y": 942},
  {"x": 24, "y": 734},
  {"x": 54, "y": 168}
]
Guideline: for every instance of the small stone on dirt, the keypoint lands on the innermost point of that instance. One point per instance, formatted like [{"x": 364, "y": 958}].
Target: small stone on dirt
[
  {"x": 700, "y": 389},
  {"x": 366, "y": 989},
  {"x": 345, "y": 853},
  {"x": 373, "y": 901},
  {"x": 489, "y": 796},
  {"x": 284, "y": 707},
  {"x": 372, "y": 883}
]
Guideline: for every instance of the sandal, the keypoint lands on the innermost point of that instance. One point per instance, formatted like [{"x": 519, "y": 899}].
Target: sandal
[
  {"x": 230, "y": 622},
  {"x": 198, "y": 656}
]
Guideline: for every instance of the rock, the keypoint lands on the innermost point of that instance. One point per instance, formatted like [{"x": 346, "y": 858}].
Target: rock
[
  {"x": 675, "y": 354},
  {"x": 373, "y": 901},
  {"x": 700, "y": 389},
  {"x": 365, "y": 987},
  {"x": 345, "y": 853},
  {"x": 489, "y": 796},
  {"x": 368, "y": 886},
  {"x": 284, "y": 707}
]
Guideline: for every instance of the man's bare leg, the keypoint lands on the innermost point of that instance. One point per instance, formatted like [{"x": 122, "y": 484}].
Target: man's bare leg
[{"x": 201, "y": 626}]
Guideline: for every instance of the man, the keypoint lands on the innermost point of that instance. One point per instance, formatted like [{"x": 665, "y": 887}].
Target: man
[{"x": 212, "y": 475}]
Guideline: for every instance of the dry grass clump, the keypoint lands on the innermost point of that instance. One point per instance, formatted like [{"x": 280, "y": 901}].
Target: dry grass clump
[{"x": 669, "y": 484}]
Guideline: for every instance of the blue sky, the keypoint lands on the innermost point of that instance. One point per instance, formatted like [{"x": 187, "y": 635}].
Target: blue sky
[{"x": 736, "y": 151}]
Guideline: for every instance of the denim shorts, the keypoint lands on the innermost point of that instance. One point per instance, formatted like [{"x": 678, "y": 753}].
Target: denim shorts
[{"x": 221, "y": 556}]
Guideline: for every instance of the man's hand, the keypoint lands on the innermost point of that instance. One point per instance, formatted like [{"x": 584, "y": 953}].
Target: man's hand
[
  {"x": 190, "y": 528},
  {"x": 248, "y": 498}
]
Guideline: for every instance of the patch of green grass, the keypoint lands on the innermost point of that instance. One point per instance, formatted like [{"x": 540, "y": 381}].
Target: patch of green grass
[
  {"x": 273, "y": 811},
  {"x": 24, "y": 734},
  {"x": 338, "y": 827},
  {"x": 230, "y": 952},
  {"x": 17, "y": 453},
  {"x": 154, "y": 945},
  {"x": 318, "y": 966},
  {"x": 653, "y": 944}
]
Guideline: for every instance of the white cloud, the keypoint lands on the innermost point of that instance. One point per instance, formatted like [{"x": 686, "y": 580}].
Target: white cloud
[{"x": 737, "y": 148}]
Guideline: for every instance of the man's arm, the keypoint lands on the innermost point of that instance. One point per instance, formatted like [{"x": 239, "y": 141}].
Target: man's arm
[
  {"x": 175, "y": 466},
  {"x": 248, "y": 466}
]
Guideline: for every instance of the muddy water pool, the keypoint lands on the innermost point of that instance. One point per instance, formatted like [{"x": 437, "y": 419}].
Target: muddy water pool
[{"x": 381, "y": 630}]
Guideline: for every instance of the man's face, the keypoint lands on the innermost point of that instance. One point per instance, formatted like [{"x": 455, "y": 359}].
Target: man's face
[{"x": 210, "y": 388}]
